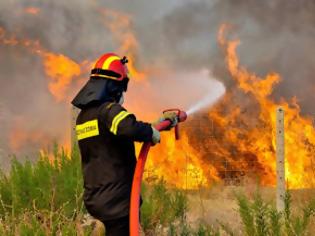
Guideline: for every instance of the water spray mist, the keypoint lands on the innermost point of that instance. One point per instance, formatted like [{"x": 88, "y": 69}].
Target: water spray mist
[{"x": 217, "y": 91}]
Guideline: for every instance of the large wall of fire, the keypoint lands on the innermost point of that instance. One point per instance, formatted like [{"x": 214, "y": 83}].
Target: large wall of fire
[{"x": 262, "y": 55}]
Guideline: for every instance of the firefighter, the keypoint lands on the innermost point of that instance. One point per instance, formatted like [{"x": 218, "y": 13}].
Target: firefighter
[{"x": 106, "y": 132}]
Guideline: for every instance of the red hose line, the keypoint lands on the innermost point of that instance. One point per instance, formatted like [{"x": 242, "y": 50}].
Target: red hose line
[{"x": 136, "y": 184}]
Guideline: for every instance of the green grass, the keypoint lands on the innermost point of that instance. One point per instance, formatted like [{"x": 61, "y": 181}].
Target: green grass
[
  {"x": 261, "y": 218},
  {"x": 45, "y": 198},
  {"x": 42, "y": 198}
]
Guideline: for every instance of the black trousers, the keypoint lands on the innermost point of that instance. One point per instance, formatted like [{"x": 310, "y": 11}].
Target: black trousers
[{"x": 117, "y": 227}]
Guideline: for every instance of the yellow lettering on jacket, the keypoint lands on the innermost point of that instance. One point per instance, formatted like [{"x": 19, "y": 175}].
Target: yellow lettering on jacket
[{"x": 87, "y": 130}]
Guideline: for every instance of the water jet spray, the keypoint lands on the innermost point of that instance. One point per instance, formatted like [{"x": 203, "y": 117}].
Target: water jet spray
[{"x": 209, "y": 99}]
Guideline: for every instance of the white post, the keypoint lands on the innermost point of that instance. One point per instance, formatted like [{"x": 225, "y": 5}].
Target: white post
[{"x": 281, "y": 185}]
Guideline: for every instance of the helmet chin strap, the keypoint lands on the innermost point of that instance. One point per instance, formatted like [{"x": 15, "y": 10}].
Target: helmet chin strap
[{"x": 122, "y": 99}]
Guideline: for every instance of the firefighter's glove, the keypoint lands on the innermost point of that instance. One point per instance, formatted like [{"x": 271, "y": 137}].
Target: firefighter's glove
[
  {"x": 156, "y": 137},
  {"x": 172, "y": 117},
  {"x": 169, "y": 115}
]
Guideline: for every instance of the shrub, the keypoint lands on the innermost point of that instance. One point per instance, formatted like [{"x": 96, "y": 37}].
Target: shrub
[
  {"x": 42, "y": 198},
  {"x": 45, "y": 198},
  {"x": 260, "y": 218}
]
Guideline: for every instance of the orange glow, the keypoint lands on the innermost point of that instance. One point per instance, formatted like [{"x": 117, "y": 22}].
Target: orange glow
[
  {"x": 259, "y": 140},
  {"x": 32, "y": 10},
  {"x": 120, "y": 25},
  {"x": 12, "y": 40},
  {"x": 178, "y": 163},
  {"x": 22, "y": 136},
  {"x": 244, "y": 125},
  {"x": 61, "y": 70}
]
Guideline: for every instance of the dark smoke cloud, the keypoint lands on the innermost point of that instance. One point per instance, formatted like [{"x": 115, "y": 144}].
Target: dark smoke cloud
[
  {"x": 180, "y": 35},
  {"x": 275, "y": 36}
]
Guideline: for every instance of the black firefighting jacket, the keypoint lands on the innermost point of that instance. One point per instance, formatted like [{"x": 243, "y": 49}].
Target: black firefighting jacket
[{"x": 106, "y": 136}]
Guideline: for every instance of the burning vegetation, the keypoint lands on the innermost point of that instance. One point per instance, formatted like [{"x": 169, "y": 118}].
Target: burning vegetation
[
  {"x": 236, "y": 139},
  {"x": 248, "y": 129},
  {"x": 238, "y": 133}
]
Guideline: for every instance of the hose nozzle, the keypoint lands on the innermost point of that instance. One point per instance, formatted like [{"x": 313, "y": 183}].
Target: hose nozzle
[{"x": 181, "y": 116}]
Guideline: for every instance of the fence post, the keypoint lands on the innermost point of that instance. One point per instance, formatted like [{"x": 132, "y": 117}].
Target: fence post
[{"x": 280, "y": 156}]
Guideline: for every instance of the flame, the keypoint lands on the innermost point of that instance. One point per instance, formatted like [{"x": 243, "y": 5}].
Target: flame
[
  {"x": 244, "y": 137},
  {"x": 244, "y": 120},
  {"x": 61, "y": 70},
  {"x": 174, "y": 161},
  {"x": 120, "y": 25},
  {"x": 179, "y": 164},
  {"x": 258, "y": 141}
]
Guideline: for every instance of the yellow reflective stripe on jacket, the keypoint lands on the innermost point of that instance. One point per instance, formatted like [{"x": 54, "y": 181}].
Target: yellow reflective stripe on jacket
[
  {"x": 117, "y": 119},
  {"x": 109, "y": 105},
  {"x": 87, "y": 129}
]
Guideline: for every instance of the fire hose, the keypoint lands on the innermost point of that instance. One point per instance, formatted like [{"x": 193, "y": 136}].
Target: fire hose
[{"x": 137, "y": 178}]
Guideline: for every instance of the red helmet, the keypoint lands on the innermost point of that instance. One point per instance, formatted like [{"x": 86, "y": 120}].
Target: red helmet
[{"x": 111, "y": 66}]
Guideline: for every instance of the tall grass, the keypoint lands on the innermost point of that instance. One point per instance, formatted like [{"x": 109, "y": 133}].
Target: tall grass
[
  {"x": 45, "y": 198},
  {"x": 261, "y": 218},
  {"x": 42, "y": 198},
  {"x": 162, "y": 208}
]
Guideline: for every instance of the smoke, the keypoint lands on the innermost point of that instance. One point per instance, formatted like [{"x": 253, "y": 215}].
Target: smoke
[
  {"x": 177, "y": 37},
  {"x": 207, "y": 101},
  {"x": 187, "y": 90},
  {"x": 275, "y": 36}
]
